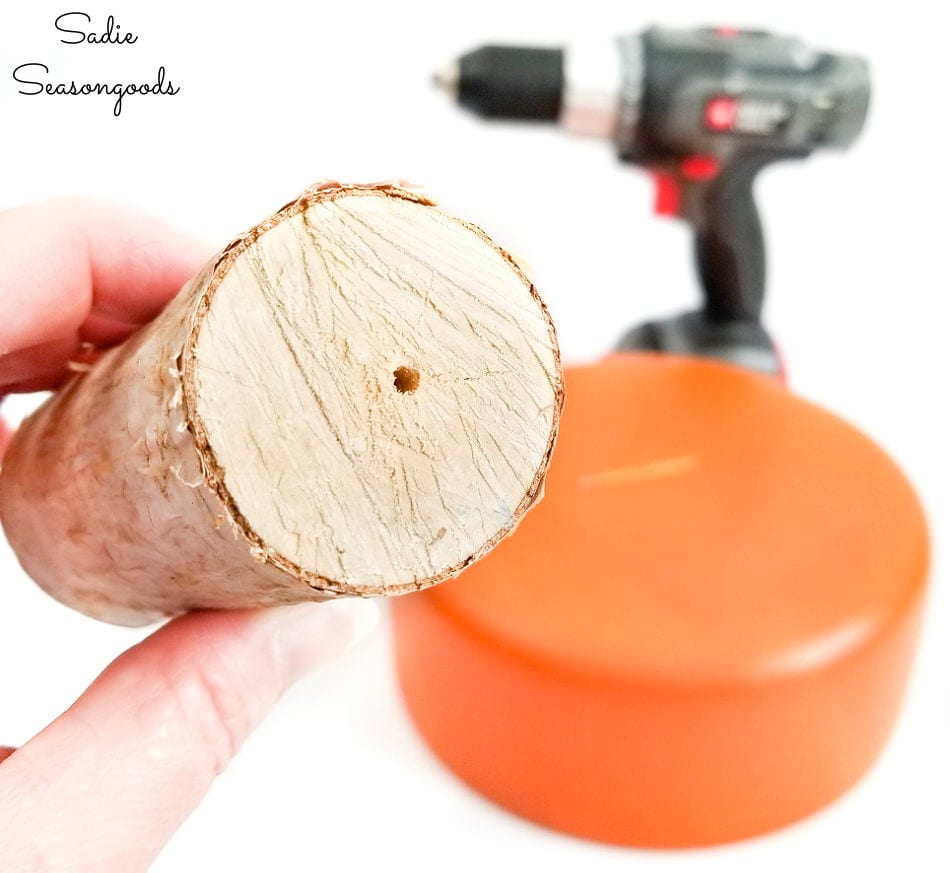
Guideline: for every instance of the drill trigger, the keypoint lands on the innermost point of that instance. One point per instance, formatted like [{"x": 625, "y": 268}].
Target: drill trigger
[{"x": 668, "y": 197}]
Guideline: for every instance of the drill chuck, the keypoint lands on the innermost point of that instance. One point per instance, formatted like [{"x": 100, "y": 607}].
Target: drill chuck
[{"x": 512, "y": 82}]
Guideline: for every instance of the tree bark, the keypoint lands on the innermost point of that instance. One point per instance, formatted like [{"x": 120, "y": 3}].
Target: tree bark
[{"x": 360, "y": 396}]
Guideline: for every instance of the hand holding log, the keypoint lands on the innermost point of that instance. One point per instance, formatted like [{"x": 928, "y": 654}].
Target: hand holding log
[{"x": 358, "y": 396}]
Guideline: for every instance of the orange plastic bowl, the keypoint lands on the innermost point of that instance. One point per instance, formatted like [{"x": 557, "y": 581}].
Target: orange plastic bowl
[{"x": 704, "y": 630}]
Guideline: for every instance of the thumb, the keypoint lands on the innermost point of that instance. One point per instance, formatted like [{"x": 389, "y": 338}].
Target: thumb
[{"x": 105, "y": 786}]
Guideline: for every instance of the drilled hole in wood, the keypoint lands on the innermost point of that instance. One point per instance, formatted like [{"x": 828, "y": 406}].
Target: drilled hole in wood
[{"x": 406, "y": 379}]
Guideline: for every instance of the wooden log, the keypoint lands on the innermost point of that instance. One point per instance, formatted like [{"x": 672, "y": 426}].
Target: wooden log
[{"x": 358, "y": 396}]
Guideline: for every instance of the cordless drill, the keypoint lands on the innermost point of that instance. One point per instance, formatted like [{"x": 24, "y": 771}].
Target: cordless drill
[{"x": 704, "y": 110}]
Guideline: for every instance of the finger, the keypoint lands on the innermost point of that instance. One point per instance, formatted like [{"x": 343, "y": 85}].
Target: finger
[
  {"x": 5, "y": 752},
  {"x": 66, "y": 260},
  {"x": 45, "y": 366},
  {"x": 104, "y": 331},
  {"x": 105, "y": 785},
  {"x": 38, "y": 367}
]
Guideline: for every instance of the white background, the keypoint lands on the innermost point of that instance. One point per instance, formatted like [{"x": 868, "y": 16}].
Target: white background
[{"x": 276, "y": 94}]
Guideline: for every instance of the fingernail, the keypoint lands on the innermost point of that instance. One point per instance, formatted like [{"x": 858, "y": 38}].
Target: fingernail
[{"x": 311, "y": 634}]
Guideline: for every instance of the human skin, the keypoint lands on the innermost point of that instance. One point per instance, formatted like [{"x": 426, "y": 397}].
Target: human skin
[{"x": 106, "y": 784}]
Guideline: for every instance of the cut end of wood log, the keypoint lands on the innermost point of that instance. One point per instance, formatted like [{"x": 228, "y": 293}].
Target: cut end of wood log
[
  {"x": 373, "y": 386},
  {"x": 358, "y": 396}
]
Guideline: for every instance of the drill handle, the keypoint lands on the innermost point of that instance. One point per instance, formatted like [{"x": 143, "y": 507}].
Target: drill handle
[
  {"x": 730, "y": 247},
  {"x": 729, "y": 244}
]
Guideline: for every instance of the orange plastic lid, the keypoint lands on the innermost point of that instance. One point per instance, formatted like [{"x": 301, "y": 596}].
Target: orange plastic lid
[{"x": 702, "y": 632}]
